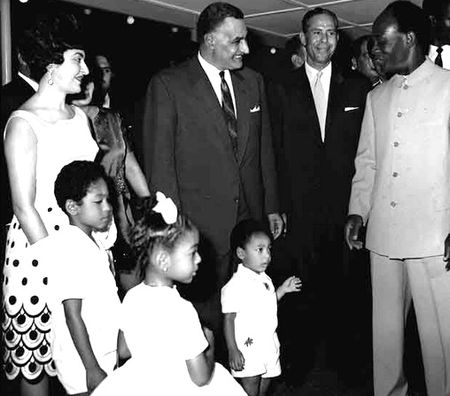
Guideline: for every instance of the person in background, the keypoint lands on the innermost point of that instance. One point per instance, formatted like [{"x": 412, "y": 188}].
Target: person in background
[
  {"x": 249, "y": 304},
  {"x": 362, "y": 62},
  {"x": 117, "y": 157},
  {"x": 296, "y": 52},
  {"x": 42, "y": 136},
  {"x": 212, "y": 110},
  {"x": 13, "y": 95},
  {"x": 438, "y": 12},
  {"x": 161, "y": 335},
  {"x": 82, "y": 291},
  {"x": 102, "y": 62},
  {"x": 401, "y": 192}
]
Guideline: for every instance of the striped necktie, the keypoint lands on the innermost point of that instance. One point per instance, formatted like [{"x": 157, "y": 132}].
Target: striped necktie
[{"x": 228, "y": 111}]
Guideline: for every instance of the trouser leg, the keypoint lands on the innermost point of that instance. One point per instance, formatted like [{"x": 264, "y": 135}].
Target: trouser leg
[
  {"x": 420, "y": 273},
  {"x": 390, "y": 300}
]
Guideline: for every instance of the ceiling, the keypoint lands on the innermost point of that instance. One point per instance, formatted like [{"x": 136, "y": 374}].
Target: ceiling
[{"x": 272, "y": 20}]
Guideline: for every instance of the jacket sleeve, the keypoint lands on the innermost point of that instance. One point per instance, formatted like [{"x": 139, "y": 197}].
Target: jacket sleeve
[
  {"x": 267, "y": 156},
  {"x": 159, "y": 132},
  {"x": 365, "y": 167}
]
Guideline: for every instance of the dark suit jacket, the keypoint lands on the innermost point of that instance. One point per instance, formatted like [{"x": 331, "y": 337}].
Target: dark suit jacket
[
  {"x": 315, "y": 177},
  {"x": 188, "y": 153},
  {"x": 13, "y": 95}
]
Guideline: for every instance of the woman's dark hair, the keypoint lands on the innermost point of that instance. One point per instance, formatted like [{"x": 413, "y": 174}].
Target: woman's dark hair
[
  {"x": 213, "y": 15},
  {"x": 150, "y": 231},
  {"x": 243, "y": 232},
  {"x": 75, "y": 179},
  {"x": 45, "y": 40}
]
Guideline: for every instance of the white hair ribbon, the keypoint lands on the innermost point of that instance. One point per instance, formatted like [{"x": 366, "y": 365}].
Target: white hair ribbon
[{"x": 166, "y": 208}]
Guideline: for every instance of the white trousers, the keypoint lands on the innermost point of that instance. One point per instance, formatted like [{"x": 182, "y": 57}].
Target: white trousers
[{"x": 394, "y": 282}]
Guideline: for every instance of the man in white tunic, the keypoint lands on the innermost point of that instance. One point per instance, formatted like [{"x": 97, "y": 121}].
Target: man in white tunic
[{"x": 401, "y": 189}]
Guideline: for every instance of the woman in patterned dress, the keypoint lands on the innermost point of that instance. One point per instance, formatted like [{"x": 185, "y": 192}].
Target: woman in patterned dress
[{"x": 40, "y": 138}]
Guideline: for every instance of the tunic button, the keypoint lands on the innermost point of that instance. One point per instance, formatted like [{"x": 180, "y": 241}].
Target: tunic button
[
  {"x": 399, "y": 114},
  {"x": 395, "y": 174},
  {"x": 396, "y": 144},
  {"x": 393, "y": 204},
  {"x": 405, "y": 86}
]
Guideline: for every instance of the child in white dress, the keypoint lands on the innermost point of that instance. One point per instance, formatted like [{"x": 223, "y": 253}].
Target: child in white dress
[
  {"x": 160, "y": 330},
  {"x": 82, "y": 290},
  {"x": 249, "y": 303}
]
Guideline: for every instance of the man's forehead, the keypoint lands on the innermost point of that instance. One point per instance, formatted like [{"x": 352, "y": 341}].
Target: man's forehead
[
  {"x": 385, "y": 24},
  {"x": 322, "y": 21},
  {"x": 233, "y": 26}
]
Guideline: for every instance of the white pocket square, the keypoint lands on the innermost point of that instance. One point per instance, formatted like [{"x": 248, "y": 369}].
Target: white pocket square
[
  {"x": 255, "y": 109},
  {"x": 350, "y": 108}
]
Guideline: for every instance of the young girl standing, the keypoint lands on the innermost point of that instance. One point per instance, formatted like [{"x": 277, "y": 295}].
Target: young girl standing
[
  {"x": 249, "y": 303},
  {"x": 170, "y": 354}
]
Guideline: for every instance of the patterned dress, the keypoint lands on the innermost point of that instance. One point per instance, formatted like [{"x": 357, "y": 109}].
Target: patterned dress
[{"x": 26, "y": 322}]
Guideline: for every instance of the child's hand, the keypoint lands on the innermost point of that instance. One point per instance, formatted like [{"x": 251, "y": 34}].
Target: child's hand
[
  {"x": 94, "y": 376},
  {"x": 236, "y": 360},
  {"x": 291, "y": 284}
]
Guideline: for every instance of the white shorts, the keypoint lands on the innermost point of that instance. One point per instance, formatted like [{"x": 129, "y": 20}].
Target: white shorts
[
  {"x": 72, "y": 374},
  {"x": 263, "y": 360}
]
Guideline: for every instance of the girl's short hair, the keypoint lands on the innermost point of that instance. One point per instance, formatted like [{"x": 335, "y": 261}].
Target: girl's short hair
[
  {"x": 75, "y": 179},
  {"x": 151, "y": 231},
  {"x": 46, "y": 39}
]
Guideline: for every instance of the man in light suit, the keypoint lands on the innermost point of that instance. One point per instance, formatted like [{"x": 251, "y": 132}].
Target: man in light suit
[
  {"x": 316, "y": 141},
  {"x": 401, "y": 189},
  {"x": 216, "y": 175}
]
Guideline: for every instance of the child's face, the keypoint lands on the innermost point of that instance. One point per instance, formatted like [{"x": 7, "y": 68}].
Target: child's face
[
  {"x": 184, "y": 258},
  {"x": 94, "y": 210},
  {"x": 256, "y": 253}
]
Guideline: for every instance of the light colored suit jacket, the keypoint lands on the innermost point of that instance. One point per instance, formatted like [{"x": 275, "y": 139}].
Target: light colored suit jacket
[{"x": 402, "y": 182}]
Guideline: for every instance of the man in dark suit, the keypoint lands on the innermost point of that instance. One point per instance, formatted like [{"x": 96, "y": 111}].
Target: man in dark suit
[
  {"x": 316, "y": 116},
  {"x": 207, "y": 143}
]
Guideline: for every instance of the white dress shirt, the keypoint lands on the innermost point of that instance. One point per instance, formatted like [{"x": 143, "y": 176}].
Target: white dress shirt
[
  {"x": 212, "y": 73},
  {"x": 445, "y": 55},
  {"x": 325, "y": 80}
]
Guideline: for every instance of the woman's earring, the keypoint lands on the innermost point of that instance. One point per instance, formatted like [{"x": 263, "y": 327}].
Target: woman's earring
[{"x": 50, "y": 80}]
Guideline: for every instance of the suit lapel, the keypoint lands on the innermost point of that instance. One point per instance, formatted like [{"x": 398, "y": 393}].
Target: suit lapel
[
  {"x": 203, "y": 93},
  {"x": 334, "y": 101},
  {"x": 304, "y": 89},
  {"x": 243, "y": 111}
]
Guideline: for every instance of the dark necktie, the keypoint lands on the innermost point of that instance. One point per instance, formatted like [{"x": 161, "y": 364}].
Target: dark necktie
[
  {"x": 228, "y": 111},
  {"x": 438, "y": 60}
]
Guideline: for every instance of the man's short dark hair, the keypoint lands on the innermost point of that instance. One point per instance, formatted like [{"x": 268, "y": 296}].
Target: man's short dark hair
[
  {"x": 411, "y": 18},
  {"x": 318, "y": 11},
  {"x": 213, "y": 15}
]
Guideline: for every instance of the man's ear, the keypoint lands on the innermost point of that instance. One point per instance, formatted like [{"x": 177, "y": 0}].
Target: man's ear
[
  {"x": 210, "y": 40},
  {"x": 72, "y": 207},
  {"x": 240, "y": 253},
  {"x": 411, "y": 39},
  {"x": 302, "y": 37}
]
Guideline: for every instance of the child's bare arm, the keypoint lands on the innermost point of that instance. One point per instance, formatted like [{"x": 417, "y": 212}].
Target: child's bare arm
[
  {"x": 80, "y": 337},
  {"x": 122, "y": 347},
  {"x": 291, "y": 284},
  {"x": 201, "y": 368},
  {"x": 235, "y": 357}
]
